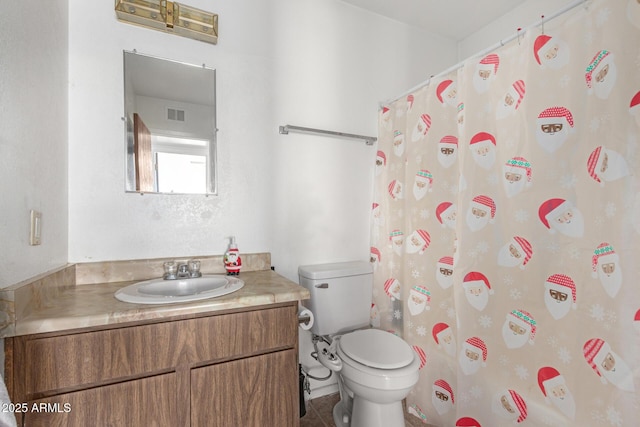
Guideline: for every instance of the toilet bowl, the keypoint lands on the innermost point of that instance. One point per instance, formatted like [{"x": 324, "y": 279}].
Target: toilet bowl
[{"x": 377, "y": 371}]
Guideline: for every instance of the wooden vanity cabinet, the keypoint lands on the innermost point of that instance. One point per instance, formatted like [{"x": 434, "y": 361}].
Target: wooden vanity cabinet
[{"x": 239, "y": 368}]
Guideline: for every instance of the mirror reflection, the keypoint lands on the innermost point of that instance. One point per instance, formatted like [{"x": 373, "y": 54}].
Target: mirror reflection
[{"x": 170, "y": 126}]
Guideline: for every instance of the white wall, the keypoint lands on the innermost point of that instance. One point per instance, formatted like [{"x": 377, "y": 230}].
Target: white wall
[
  {"x": 33, "y": 136},
  {"x": 523, "y": 16},
  {"x": 305, "y": 199}
]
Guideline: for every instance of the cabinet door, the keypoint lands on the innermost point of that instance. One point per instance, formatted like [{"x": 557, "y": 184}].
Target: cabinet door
[
  {"x": 144, "y": 402},
  {"x": 257, "y": 391}
]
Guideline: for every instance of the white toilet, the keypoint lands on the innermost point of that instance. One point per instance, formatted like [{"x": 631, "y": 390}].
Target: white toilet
[{"x": 377, "y": 369}]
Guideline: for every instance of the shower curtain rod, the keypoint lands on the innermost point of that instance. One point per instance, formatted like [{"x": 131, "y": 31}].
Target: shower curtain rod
[
  {"x": 501, "y": 43},
  {"x": 284, "y": 130}
]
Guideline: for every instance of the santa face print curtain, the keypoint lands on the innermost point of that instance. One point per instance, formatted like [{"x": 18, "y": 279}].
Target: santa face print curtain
[{"x": 506, "y": 229}]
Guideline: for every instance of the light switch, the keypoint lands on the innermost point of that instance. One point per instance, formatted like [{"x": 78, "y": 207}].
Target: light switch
[{"x": 36, "y": 228}]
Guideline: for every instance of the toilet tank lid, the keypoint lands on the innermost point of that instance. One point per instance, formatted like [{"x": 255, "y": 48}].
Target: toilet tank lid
[{"x": 336, "y": 269}]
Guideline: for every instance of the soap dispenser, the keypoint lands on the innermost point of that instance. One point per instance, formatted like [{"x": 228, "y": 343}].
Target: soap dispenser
[{"x": 232, "y": 260}]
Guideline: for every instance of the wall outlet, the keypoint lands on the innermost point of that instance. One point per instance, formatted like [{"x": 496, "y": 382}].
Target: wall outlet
[{"x": 36, "y": 228}]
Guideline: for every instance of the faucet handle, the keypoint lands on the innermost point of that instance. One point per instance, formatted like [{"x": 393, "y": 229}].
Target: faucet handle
[
  {"x": 194, "y": 268},
  {"x": 170, "y": 270}
]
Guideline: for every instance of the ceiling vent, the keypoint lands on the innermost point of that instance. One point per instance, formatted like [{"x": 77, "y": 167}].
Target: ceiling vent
[{"x": 175, "y": 114}]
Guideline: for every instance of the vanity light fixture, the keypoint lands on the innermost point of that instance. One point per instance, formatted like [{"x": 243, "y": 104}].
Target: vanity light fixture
[{"x": 171, "y": 17}]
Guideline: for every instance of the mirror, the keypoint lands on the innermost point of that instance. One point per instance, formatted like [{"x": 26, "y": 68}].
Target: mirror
[{"x": 170, "y": 126}]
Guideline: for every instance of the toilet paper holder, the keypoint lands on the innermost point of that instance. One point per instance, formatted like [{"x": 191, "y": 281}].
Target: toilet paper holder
[{"x": 304, "y": 318}]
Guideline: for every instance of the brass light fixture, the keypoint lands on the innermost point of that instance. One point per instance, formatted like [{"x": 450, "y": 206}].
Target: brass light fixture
[{"x": 171, "y": 17}]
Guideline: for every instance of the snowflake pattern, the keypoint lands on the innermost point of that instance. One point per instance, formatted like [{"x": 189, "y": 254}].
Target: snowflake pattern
[
  {"x": 508, "y": 280},
  {"x": 476, "y": 391},
  {"x": 521, "y": 372},
  {"x": 485, "y": 321},
  {"x": 415, "y": 274},
  {"x": 515, "y": 294},
  {"x": 424, "y": 214},
  {"x": 568, "y": 180},
  {"x": 421, "y": 330},
  {"x": 597, "y": 312},
  {"x": 614, "y": 417},
  {"x": 565, "y": 355},
  {"x": 610, "y": 210},
  {"x": 397, "y": 314}
]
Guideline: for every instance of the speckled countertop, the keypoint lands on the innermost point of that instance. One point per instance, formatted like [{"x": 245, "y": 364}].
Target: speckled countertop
[{"x": 73, "y": 306}]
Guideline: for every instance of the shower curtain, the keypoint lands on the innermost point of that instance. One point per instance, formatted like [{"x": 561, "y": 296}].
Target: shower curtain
[{"x": 506, "y": 228}]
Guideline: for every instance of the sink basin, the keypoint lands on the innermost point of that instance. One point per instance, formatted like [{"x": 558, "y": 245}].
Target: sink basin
[{"x": 160, "y": 291}]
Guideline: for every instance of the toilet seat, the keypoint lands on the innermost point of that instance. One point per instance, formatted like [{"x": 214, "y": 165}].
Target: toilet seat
[{"x": 376, "y": 349}]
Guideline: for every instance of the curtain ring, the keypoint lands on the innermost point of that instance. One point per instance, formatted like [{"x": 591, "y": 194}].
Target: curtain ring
[
  {"x": 518, "y": 31},
  {"x": 542, "y": 23}
]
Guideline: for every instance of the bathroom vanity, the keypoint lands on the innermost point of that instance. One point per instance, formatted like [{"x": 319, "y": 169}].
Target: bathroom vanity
[{"x": 227, "y": 361}]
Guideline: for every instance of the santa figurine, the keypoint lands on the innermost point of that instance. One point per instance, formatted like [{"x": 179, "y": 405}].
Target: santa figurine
[{"x": 232, "y": 260}]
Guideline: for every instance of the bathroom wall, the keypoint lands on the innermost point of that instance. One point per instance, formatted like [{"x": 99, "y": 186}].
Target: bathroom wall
[
  {"x": 33, "y": 136},
  {"x": 308, "y": 63},
  {"x": 506, "y": 26}
]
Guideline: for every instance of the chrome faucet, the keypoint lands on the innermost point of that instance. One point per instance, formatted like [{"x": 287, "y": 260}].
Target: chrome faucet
[
  {"x": 183, "y": 271},
  {"x": 173, "y": 271}
]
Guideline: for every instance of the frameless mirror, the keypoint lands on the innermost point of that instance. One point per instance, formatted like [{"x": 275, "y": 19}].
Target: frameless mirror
[{"x": 170, "y": 126}]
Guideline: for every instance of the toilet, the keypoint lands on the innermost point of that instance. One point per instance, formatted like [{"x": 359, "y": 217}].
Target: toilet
[{"x": 376, "y": 369}]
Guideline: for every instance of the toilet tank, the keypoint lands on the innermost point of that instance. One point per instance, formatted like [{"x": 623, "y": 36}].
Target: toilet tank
[{"x": 340, "y": 295}]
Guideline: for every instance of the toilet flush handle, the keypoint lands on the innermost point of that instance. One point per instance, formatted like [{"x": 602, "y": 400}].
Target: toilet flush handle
[{"x": 323, "y": 286}]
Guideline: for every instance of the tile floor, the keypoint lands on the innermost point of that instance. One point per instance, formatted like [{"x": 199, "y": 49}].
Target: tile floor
[{"x": 319, "y": 413}]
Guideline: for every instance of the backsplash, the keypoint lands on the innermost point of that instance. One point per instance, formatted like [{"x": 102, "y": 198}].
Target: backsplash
[{"x": 124, "y": 271}]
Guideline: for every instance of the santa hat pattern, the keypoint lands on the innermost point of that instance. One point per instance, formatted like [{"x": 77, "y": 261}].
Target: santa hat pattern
[
  {"x": 446, "y": 261},
  {"x": 381, "y": 157},
  {"x": 475, "y": 344},
  {"x": 426, "y": 119},
  {"x": 591, "y": 349},
  {"x": 393, "y": 186},
  {"x": 388, "y": 284},
  {"x": 467, "y": 422},
  {"x": 474, "y": 277},
  {"x": 564, "y": 281},
  {"x": 442, "y": 384},
  {"x": 526, "y": 248},
  {"x": 410, "y": 99},
  {"x": 422, "y": 290},
  {"x": 524, "y": 318},
  {"x": 519, "y": 87},
  {"x": 442, "y": 208},
  {"x": 449, "y": 140},
  {"x": 424, "y": 175},
  {"x": 437, "y": 328},
  {"x": 593, "y": 65},
  {"x": 375, "y": 252},
  {"x": 635, "y": 101},
  {"x": 492, "y": 60},
  {"x": 395, "y": 234},
  {"x": 604, "y": 249},
  {"x": 482, "y": 137},
  {"x": 549, "y": 378},
  {"x": 557, "y": 113},
  {"x": 421, "y": 354},
  {"x": 426, "y": 238},
  {"x": 484, "y": 202},
  {"x": 516, "y": 163},
  {"x": 593, "y": 164},
  {"x": 441, "y": 88},
  {"x": 520, "y": 404},
  {"x": 541, "y": 40},
  {"x": 551, "y": 208}
]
